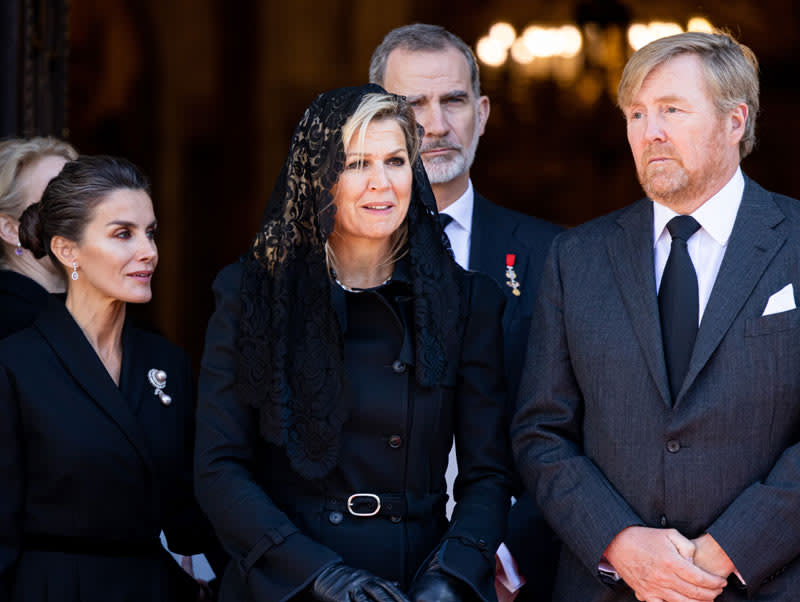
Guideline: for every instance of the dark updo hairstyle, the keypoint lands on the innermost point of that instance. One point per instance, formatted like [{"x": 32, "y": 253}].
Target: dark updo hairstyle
[{"x": 69, "y": 200}]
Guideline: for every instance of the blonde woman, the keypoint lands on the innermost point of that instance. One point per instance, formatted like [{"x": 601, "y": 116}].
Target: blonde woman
[
  {"x": 26, "y": 166},
  {"x": 347, "y": 350}
]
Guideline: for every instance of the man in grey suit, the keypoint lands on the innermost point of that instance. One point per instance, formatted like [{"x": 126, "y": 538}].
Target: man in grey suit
[{"x": 660, "y": 407}]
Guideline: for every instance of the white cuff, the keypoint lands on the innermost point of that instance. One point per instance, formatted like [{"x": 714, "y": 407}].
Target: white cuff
[{"x": 509, "y": 577}]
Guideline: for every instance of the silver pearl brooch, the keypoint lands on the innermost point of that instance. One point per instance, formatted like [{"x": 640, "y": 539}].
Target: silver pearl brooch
[{"x": 158, "y": 379}]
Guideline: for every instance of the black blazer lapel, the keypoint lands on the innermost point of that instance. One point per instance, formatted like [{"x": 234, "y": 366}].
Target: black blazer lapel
[
  {"x": 631, "y": 254},
  {"x": 493, "y": 238},
  {"x": 78, "y": 357},
  {"x": 133, "y": 377},
  {"x": 480, "y": 238},
  {"x": 757, "y": 236}
]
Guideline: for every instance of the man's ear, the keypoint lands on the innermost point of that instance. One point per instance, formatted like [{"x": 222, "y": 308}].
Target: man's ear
[
  {"x": 484, "y": 108},
  {"x": 9, "y": 229},
  {"x": 65, "y": 251},
  {"x": 738, "y": 120}
]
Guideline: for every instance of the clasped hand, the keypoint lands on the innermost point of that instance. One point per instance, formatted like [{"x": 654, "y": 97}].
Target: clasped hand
[
  {"x": 661, "y": 565},
  {"x": 341, "y": 583},
  {"x": 434, "y": 585}
]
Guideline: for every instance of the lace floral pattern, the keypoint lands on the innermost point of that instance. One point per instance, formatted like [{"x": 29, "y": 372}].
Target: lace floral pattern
[{"x": 290, "y": 347}]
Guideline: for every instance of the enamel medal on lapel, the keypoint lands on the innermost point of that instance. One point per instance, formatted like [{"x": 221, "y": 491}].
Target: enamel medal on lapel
[
  {"x": 512, "y": 281},
  {"x": 158, "y": 379}
]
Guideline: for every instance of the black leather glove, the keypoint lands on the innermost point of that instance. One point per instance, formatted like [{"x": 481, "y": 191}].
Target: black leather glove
[
  {"x": 434, "y": 585},
  {"x": 341, "y": 583}
]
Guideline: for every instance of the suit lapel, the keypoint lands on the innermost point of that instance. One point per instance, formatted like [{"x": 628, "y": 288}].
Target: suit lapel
[
  {"x": 133, "y": 377},
  {"x": 79, "y": 359},
  {"x": 756, "y": 237},
  {"x": 631, "y": 255},
  {"x": 490, "y": 242},
  {"x": 478, "y": 237}
]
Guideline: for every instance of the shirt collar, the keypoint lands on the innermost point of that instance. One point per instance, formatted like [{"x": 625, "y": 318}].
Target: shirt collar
[
  {"x": 715, "y": 216},
  {"x": 461, "y": 209}
]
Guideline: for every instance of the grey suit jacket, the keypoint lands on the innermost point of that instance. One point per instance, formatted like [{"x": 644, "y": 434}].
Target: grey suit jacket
[{"x": 598, "y": 437}]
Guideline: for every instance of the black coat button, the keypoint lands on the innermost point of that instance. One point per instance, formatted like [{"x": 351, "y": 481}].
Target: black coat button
[
  {"x": 395, "y": 441},
  {"x": 398, "y": 367},
  {"x": 482, "y": 543},
  {"x": 663, "y": 521},
  {"x": 673, "y": 446},
  {"x": 396, "y": 519},
  {"x": 335, "y": 517}
]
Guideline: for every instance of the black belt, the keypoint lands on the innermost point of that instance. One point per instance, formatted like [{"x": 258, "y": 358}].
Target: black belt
[
  {"x": 93, "y": 546},
  {"x": 367, "y": 504}
]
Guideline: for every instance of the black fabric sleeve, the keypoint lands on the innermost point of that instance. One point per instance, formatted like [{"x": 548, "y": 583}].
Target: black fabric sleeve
[
  {"x": 482, "y": 488},
  {"x": 274, "y": 558}
]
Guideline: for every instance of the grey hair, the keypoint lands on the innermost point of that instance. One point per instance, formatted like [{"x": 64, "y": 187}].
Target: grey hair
[
  {"x": 420, "y": 37},
  {"x": 731, "y": 71}
]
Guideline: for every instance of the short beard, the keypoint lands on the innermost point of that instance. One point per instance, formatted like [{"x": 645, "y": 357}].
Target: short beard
[
  {"x": 667, "y": 188},
  {"x": 441, "y": 170},
  {"x": 677, "y": 186}
]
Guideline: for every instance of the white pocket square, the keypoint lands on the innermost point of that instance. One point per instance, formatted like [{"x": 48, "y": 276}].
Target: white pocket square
[{"x": 783, "y": 300}]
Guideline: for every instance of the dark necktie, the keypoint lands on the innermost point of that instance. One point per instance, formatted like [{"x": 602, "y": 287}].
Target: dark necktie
[
  {"x": 678, "y": 302},
  {"x": 445, "y": 219}
]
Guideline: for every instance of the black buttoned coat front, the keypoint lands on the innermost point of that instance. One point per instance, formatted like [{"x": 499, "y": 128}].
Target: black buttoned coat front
[{"x": 281, "y": 529}]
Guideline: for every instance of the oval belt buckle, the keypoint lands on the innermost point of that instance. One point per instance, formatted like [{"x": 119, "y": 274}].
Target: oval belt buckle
[{"x": 370, "y": 496}]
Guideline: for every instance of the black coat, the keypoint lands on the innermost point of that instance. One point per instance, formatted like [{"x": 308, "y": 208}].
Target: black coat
[
  {"x": 496, "y": 232},
  {"x": 89, "y": 471},
  {"x": 21, "y": 300},
  {"x": 281, "y": 530}
]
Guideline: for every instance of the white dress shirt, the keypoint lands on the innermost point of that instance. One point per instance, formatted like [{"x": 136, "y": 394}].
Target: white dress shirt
[
  {"x": 707, "y": 245},
  {"x": 459, "y": 231}
]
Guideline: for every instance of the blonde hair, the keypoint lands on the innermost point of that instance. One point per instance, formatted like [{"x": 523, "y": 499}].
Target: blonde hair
[
  {"x": 375, "y": 107},
  {"x": 15, "y": 155},
  {"x": 378, "y": 107},
  {"x": 731, "y": 71}
]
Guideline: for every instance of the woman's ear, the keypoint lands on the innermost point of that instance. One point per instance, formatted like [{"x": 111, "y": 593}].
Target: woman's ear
[
  {"x": 65, "y": 251},
  {"x": 9, "y": 229}
]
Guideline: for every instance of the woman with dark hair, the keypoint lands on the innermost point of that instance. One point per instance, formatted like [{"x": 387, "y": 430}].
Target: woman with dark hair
[
  {"x": 96, "y": 416},
  {"x": 346, "y": 351},
  {"x": 26, "y": 166}
]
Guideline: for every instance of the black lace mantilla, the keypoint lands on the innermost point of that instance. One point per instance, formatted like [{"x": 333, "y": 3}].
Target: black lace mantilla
[{"x": 290, "y": 348}]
